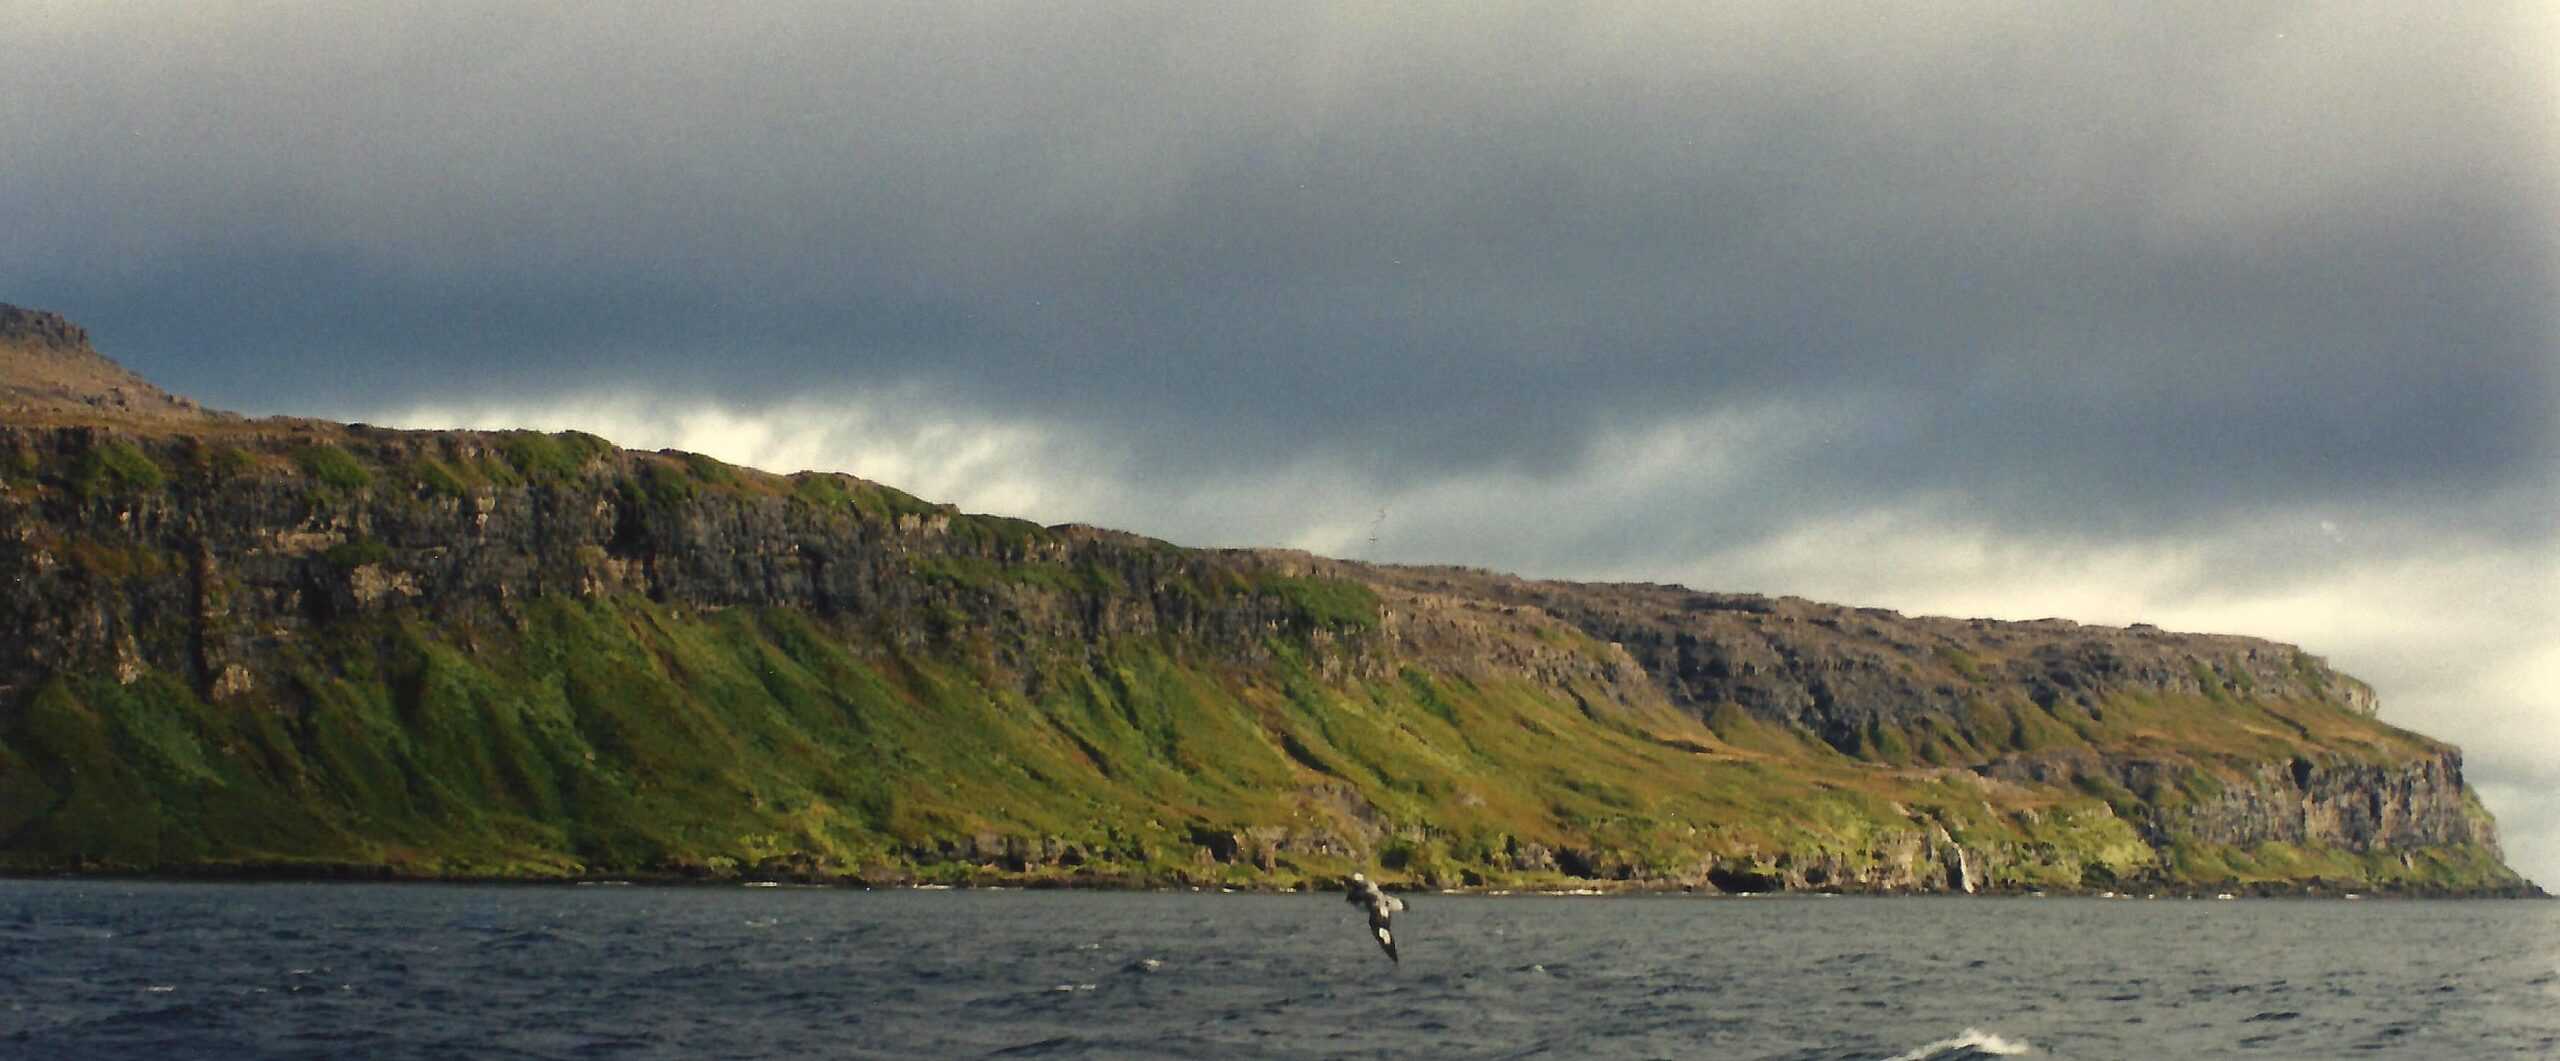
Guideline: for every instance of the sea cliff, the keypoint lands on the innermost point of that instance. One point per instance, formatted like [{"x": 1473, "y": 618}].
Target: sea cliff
[{"x": 294, "y": 646}]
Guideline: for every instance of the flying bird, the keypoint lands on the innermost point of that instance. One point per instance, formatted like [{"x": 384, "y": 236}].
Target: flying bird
[{"x": 1364, "y": 893}]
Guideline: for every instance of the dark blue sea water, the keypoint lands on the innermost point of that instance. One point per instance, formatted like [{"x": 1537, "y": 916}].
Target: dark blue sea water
[{"x": 166, "y": 971}]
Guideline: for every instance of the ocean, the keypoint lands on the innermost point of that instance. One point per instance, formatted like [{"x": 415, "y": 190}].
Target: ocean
[{"x": 124, "y": 969}]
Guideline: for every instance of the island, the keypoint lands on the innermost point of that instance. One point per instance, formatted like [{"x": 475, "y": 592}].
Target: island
[{"x": 292, "y": 647}]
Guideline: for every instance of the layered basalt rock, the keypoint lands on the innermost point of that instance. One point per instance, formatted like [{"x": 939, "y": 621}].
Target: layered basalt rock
[{"x": 1447, "y": 726}]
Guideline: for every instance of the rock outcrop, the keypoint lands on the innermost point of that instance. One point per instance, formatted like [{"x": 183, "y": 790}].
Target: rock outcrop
[
  {"x": 47, "y": 369},
  {"x": 2326, "y": 801}
]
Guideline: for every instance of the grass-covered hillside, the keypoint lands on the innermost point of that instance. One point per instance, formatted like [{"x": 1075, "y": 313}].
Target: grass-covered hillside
[
  {"x": 233, "y": 645},
  {"x": 303, "y": 647}
]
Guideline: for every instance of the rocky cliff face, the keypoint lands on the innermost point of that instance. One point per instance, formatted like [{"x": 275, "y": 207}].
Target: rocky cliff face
[
  {"x": 2324, "y": 801},
  {"x": 1838, "y": 671},
  {"x": 1878, "y": 685},
  {"x": 261, "y": 535},
  {"x": 290, "y": 642}
]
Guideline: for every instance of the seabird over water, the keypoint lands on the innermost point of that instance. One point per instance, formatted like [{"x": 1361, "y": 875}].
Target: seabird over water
[{"x": 1364, "y": 893}]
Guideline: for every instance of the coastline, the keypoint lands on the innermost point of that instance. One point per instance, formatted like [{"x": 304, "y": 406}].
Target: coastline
[{"x": 1000, "y": 881}]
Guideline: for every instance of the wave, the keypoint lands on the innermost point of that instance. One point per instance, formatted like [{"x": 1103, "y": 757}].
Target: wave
[
  {"x": 526, "y": 939},
  {"x": 1973, "y": 1043}
]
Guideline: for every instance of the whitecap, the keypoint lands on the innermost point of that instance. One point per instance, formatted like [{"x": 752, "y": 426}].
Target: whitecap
[{"x": 1973, "y": 1041}]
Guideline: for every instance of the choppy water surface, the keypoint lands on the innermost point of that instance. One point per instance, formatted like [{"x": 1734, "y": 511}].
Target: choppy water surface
[{"x": 121, "y": 969}]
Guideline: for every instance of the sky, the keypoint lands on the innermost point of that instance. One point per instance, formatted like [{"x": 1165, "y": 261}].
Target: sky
[{"x": 2236, "y": 318}]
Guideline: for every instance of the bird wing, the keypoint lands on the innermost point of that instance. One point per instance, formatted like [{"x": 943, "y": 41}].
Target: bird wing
[{"x": 1381, "y": 913}]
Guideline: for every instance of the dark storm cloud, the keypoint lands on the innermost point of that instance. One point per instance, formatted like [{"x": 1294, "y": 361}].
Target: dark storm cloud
[
  {"x": 2233, "y": 317},
  {"x": 2094, "y": 269}
]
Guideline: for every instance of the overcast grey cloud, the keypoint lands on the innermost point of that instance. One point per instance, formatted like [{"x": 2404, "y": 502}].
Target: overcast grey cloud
[{"x": 2227, "y": 315}]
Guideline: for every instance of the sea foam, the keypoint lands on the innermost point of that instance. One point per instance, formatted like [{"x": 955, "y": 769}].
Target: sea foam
[{"x": 1973, "y": 1042}]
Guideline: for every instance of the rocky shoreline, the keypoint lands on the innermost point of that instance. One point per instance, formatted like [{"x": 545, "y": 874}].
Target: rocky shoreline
[{"x": 1016, "y": 882}]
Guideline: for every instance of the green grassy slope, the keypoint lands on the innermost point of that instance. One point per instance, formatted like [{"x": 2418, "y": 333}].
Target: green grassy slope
[{"x": 624, "y": 737}]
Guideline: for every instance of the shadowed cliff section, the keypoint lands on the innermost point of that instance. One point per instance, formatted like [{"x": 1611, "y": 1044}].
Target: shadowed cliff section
[{"x": 297, "y": 646}]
